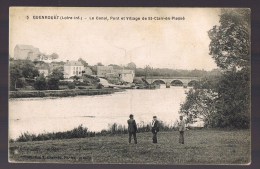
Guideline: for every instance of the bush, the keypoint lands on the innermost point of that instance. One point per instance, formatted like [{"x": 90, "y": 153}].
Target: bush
[
  {"x": 71, "y": 85},
  {"x": 53, "y": 83},
  {"x": 40, "y": 83},
  {"x": 81, "y": 87},
  {"x": 79, "y": 132}
]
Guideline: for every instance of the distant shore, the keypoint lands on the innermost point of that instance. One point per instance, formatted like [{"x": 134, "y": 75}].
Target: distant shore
[{"x": 61, "y": 93}]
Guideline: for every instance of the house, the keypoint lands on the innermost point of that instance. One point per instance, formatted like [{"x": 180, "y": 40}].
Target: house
[
  {"x": 73, "y": 68},
  {"x": 102, "y": 71},
  {"x": 127, "y": 75},
  {"x": 43, "y": 71},
  {"x": 26, "y": 52},
  {"x": 43, "y": 68}
]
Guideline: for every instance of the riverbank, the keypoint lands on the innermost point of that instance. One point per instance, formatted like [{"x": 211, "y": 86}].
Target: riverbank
[
  {"x": 61, "y": 93},
  {"x": 201, "y": 147}
]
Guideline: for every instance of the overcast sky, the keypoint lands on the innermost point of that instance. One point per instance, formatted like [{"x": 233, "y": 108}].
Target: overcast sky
[{"x": 160, "y": 44}]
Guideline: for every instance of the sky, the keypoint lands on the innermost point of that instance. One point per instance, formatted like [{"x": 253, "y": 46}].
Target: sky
[{"x": 175, "y": 44}]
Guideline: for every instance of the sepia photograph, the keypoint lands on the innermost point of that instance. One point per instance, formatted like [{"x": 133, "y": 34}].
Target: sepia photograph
[{"x": 129, "y": 85}]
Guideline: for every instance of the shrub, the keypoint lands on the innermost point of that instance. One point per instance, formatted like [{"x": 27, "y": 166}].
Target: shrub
[
  {"x": 71, "y": 85},
  {"x": 81, "y": 87},
  {"x": 40, "y": 83}
]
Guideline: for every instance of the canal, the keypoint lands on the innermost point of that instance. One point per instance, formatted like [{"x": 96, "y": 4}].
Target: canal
[{"x": 40, "y": 115}]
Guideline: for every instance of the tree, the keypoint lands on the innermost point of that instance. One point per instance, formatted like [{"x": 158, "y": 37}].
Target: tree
[
  {"x": 54, "y": 56},
  {"x": 40, "y": 83},
  {"x": 230, "y": 48},
  {"x": 15, "y": 74},
  {"x": 131, "y": 65},
  {"x": 201, "y": 102},
  {"x": 21, "y": 70},
  {"x": 54, "y": 78},
  {"x": 53, "y": 83},
  {"x": 230, "y": 42},
  {"x": 28, "y": 69},
  {"x": 99, "y": 64},
  {"x": 84, "y": 63},
  {"x": 226, "y": 99},
  {"x": 58, "y": 74},
  {"x": 233, "y": 101}
]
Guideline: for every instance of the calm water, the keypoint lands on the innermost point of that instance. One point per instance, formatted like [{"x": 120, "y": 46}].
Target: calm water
[{"x": 39, "y": 115}]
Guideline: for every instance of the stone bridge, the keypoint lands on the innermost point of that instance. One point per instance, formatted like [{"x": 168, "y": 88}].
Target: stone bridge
[{"x": 185, "y": 81}]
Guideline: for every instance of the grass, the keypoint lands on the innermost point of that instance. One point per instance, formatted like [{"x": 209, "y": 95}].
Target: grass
[{"x": 201, "y": 147}]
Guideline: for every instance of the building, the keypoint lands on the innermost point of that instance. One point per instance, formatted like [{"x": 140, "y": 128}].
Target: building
[
  {"x": 43, "y": 68},
  {"x": 26, "y": 52},
  {"x": 73, "y": 68},
  {"x": 43, "y": 71},
  {"x": 127, "y": 75},
  {"x": 102, "y": 71}
]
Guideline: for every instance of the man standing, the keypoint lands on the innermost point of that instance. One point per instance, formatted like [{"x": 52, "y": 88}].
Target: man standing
[
  {"x": 132, "y": 128},
  {"x": 181, "y": 126},
  {"x": 155, "y": 128}
]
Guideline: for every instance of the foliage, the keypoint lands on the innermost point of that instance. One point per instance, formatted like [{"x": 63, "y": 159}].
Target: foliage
[
  {"x": 79, "y": 132},
  {"x": 84, "y": 63},
  {"x": 131, "y": 65},
  {"x": 99, "y": 64},
  {"x": 54, "y": 56},
  {"x": 53, "y": 83},
  {"x": 40, "y": 83},
  {"x": 58, "y": 74},
  {"x": 224, "y": 101},
  {"x": 165, "y": 72},
  {"x": 200, "y": 104},
  {"x": 230, "y": 42},
  {"x": 71, "y": 85},
  {"x": 19, "y": 70},
  {"x": 233, "y": 103}
]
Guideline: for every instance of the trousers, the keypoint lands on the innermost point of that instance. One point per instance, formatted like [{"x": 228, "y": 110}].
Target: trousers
[
  {"x": 154, "y": 137},
  {"x": 130, "y": 137},
  {"x": 181, "y": 139}
]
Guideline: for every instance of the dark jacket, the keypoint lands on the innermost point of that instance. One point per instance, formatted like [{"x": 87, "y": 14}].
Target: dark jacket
[
  {"x": 155, "y": 126},
  {"x": 132, "y": 125}
]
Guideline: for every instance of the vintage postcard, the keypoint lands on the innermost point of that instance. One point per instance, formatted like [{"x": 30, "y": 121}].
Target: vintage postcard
[{"x": 128, "y": 85}]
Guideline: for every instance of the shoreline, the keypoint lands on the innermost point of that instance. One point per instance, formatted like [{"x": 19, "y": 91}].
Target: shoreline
[{"x": 61, "y": 93}]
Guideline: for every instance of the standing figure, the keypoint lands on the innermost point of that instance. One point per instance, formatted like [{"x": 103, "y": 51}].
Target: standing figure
[
  {"x": 181, "y": 126},
  {"x": 155, "y": 128},
  {"x": 132, "y": 128}
]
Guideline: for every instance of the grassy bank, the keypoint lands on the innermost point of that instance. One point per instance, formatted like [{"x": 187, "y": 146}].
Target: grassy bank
[
  {"x": 60, "y": 93},
  {"x": 201, "y": 147}
]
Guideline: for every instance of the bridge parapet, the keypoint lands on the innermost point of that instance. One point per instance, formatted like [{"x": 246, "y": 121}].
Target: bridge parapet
[{"x": 183, "y": 80}]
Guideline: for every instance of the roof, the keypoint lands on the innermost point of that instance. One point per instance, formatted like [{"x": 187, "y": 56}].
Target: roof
[
  {"x": 25, "y": 47},
  {"x": 126, "y": 71},
  {"x": 104, "y": 67},
  {"x": 73, "y": 63}
]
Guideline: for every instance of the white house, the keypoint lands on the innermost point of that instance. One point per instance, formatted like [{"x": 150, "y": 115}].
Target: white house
[
  {"x": 73, "y": 68},
  {"x": 127, "y": 75}
]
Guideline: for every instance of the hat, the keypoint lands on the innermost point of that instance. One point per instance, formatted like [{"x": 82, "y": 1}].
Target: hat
[{"x": 154, "y": 117}]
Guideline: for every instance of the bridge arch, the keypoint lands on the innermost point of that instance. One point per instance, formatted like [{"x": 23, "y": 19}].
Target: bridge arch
[
  {"x": 177, "y": 82},
  {"x": 193, "y": 82},
  {"x": 159, "y": 81}
]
